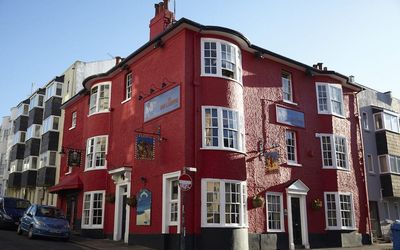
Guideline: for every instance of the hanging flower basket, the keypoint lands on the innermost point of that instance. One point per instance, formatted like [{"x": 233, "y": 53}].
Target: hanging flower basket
[
  {"x": 316, "y": 204},
  {"x": 110, "y": 197},
  {"x": 131, "y": 201},
  {"x": 258, "y": 201}
]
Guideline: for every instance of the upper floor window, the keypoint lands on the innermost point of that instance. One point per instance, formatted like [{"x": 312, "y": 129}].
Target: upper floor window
[
  {"x": 36, "y": 101},
  {"x": 275, "y": 222},
  {"x": 16, "y": 166},
  {"x": 73, "y": 120},
  {"x": 33, "y": 131},
  {"x": 96, "y": 151},
  {"x": 387, "y": 121},
  {"x": 51, "y": 123},
  {"x": 370, "y": 164},
  {"x": 223, "y": 203},
  {"x": 54, "y": 89},
  {"x": 48, "y": 159},
  {"x": 222, "y": 128},
  {"x": 291, "y": 147},
  {"x": 30, "y": 163},
  {"x": 330, "y": 99},
  {"x": 389, "y": 164},
  {"x": 128, "y": 86},
  {"x": 19, "y": 137},
  {"x": 364, "y": 121},
  {"x": 99, "y": 98},
  {"x": 334, "y": 151},
  {"x": 23, "y": 109},
  {"x": 221, "y": 59},
  {"x": 339, "y": 210},
  {"x": 287, "y": 87}
]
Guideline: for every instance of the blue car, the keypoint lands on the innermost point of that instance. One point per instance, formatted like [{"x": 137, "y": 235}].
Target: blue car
[
  {"x": 11, "y": 210},
  {"x": 48, "y": 221}
]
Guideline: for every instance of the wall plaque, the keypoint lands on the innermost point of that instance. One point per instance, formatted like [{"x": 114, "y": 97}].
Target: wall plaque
[
  {"x": 143, "y": 208},
  {"x": 271, "y": 160},
  {"x": 289, "y": 117},
  {"x": 74, "y": 158}
]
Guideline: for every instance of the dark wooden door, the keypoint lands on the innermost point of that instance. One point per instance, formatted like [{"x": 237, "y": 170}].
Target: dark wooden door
[
  {"x": 124, "y": 197},
  {"x": 71, "y": 211},
  {"x": 375, "y": 224},
  {"x": 296, "y": 221}
]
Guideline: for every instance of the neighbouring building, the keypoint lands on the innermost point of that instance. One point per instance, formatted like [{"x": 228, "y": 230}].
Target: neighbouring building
[
  {"x": 380, "y": 114},
  {"x": 273, "y": 147},
  {"x": 5, "y": 130},
  {"x": 35, "y": 157}
]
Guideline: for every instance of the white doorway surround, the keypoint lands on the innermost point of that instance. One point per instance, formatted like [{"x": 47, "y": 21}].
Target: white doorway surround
[
  {"x": 298, "y": 190},
  {"x": 122, "y": 179}
]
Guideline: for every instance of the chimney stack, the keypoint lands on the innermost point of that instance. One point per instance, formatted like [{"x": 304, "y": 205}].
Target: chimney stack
[{"x": 162, "y": 19}]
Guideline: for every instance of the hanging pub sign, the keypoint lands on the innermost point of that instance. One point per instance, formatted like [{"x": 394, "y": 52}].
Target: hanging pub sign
[
  {"x": 162, "y": 104},
  {"x": 289, "y": 117},
  {"x": 74, "y": 158},
  {"x": 271, "y": 160},
  {"x": 145, "y": 148},
  {"x": 143, "y": 208}
]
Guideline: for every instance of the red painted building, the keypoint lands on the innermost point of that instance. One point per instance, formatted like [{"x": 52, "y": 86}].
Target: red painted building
[{"x": 272, "y": 145}]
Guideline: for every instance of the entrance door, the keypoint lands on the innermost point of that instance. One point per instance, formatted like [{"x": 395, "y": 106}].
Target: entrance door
[
  {"x": 375, "y": 224},
  {"x": 296, "y": 221},
  {"x": 71, "y": 210},
  {"x": 124, "y": 197}
]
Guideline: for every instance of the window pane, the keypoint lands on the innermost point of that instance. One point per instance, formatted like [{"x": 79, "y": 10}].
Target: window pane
[
  {"x": 213, "y": 202},
  {"x": 322, "y": 98},
  {"x": 336, "y": 100},
  {"x": 327, "y": 150},
  {"x": 291, "y": 146},
  {"x": 274, "y": 212},
  {"x": 287, "y": 87},
  {"x": 383, "y": 164},
  {"x": 331, "y": 210},
  {"x": 340, "y": 147},
  {"x": 346, "y": 210}
]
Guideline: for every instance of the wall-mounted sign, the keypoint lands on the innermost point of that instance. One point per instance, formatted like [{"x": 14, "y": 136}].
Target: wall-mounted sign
[
  {"x": 289, "y": 117},
  {"x": 271, "y": 160},
  {"x": 145, "y": 148},
  {"x": 185, "y": 182},
  {"x": 161, "y": 104},
  {"x": 74, "y": 158},
  {"x": 143, "y": 208}
]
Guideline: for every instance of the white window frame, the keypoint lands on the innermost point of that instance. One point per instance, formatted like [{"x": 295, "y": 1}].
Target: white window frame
[
  {"x": 97, "y": 110},
  {"x": 370, "y": 164},
  {"x": 329, "y": 97},
  {"x": 23, "y": 109},
  {"x": 333, "y": 152},
  {"x": 73, "y": 120},
  {"x": 282, "y": 222},
  {"x": 286, "y": 75},
  {"x": 338, "y": 211},
  {"x": 167, "y": 178},
  {"x": 242, "y": 206},
  {"x": 391, "y": 169},
  {"x": 44, "y": 159},
  {"x": 364, "y": 121},
  {"x": 34, "y": 131},
  {"x": 48, "y": 124},
  {"x": 291, "y": 162},
  {"x": 51, "y": 90},
  {"x": 237, "y": 60},
  {"x": 385, "y": 126},
  {"x": 90, "y": 225},
  {"x": 95, "y": 138},
  {"x": 240, "y": 129},
  {"x": 17, "y": 137},
  {"x": 128, "y": 86},
  {"x": 16, "y": 166},
  {"x": 34, "y": 101}
]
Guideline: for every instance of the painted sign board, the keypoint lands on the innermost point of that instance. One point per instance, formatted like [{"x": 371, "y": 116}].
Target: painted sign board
[
  {"x": 143, "y": 208},
  {"x": 290, "y": 117},
  {"x": 162, "y": 104}
]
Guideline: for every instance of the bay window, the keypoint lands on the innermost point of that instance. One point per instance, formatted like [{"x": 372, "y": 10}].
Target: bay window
[
  {"x": 329, "y": 99},
  {"x": 36, "y": 101},
  {"x": 334, "y": 151},
  {"x": 51, "y": 123},
  {"x": 222, "y": 129},
  {"x": 96, "y": 150},
  {"x": 386, "y": 121},
  {"x": 23, "y": 109},
  {"x": 30, "y": 163},
  {"x": 54, "y": 89},
  {"x": 16, "y": 166},
  {"x": 389, "y": 164},
  {"x": 33, "y": 131},
  {"x": 19, "y": 137},
  {"x": 100, "y": 98},
  {"x": 224, "y": 203},
  {"x": 48, "y": 159},
  {"x": 339, "y": 211},
  {"x": 221, "y": 59},
  {"x": 93, "y": 209}
]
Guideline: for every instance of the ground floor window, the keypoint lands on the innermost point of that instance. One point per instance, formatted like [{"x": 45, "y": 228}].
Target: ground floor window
[
  {"x": 339, "y": 210},
  {"x": 223, "y": 203},
  {"x": 93, "y": 209},
  {"x": 274, "y": 212}
]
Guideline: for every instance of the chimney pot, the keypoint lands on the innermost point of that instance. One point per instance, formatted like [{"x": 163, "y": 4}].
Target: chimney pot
[
  {"x": 156, "y": 9},
  {"x": 325, "y": 68}
]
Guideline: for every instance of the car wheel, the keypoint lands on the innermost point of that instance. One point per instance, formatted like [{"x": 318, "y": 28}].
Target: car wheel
[
  {"x": 30, "y": 233},
  {"x": 19, "y": 230}
]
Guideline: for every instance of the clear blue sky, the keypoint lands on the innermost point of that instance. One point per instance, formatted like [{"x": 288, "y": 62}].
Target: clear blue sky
[{"x": 39, "y": 39}]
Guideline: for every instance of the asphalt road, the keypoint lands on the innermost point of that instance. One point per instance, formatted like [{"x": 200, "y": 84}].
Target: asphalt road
[{"x": 10, "y": 240}]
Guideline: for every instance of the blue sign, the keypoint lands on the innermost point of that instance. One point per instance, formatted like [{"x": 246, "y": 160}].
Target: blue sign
[
  {"x": 164, "y": 103},
  {"x": 290, "y": 117},
  {"x": 143, "y": 208}
]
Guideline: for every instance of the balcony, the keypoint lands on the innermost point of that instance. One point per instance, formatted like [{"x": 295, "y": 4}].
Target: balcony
[
  {"x": 32, "y": 147},
  {"x": 28, "y": 178},
  {"x": 52, "y": 107},
  {"x": 35, "y": 116},
  {"x": 14, "y": 180},
  {"x": 46, "y": 177},
  {"x": 387, "y": 142},
  {"x": 49, "y": 141},
  {"x": 17, "y": 152},
  {"x": 390, "y": 184},
  {"x": 20, "y": 124}
]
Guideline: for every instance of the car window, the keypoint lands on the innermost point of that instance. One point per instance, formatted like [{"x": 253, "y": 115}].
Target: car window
[
  {"x": 29, "y": 210},
  {"x": 51, "y": 212},
  {"x": 16, "y": 203},
  {"x": 33, "y": 210}
]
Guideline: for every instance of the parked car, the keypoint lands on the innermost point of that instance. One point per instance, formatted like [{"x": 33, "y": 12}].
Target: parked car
[
  {"x": 11, "y": 210},
  {"x": 48, "y": 221}
]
